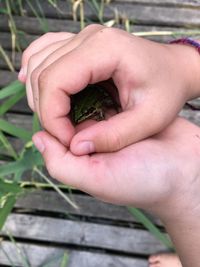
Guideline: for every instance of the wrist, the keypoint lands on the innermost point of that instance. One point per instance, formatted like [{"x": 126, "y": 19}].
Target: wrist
[
  {"x": 187, "y": 61},
  {"x": 185, "y": 234}
]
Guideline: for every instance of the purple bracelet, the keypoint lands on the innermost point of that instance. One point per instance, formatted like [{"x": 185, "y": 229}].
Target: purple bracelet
[{"x": 187, "y": 41}]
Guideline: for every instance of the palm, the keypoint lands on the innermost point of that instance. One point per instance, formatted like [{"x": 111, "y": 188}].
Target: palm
[{"x": 145, "y": 173}]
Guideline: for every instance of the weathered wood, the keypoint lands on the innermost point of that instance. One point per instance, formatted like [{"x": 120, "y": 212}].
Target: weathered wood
[
  {"x": 39, "y": 255},
  {"x": 88, "y": 206},
  {"x": 179, "y": 3},
  {"x": 82, "y": 234},
  {"x": 24, "y": 121},
  {"x": 144, "y": 14},
  {"x": 193, "y": 116},
  {"x": 98, "y": 260},
  {"x": 32, "y": 25},
  {"x": 7, "y": 77},
  {"x": 139, "y": 13},
  {"x": 24, "y": 40}
]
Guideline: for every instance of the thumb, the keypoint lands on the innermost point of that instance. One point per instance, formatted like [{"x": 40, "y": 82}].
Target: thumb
[
  {"x": 53, "y": 152},
  {"x": 63, "y": 165},
  {"x": 118, "y": 131}
]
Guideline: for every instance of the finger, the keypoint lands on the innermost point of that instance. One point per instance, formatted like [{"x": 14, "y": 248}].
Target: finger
[
  {"x": 35, "y": 61},
  {"x": 36, "y": 46},
  {"x": 47, "y": 56},
  {"x": 120, "y": 130},
  {"x": 65, "y": 167},
  {"x": 68, "y": 75}
]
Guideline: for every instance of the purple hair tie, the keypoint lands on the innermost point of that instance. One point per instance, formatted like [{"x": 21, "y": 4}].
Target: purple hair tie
[{"x": 187, "y": 41}]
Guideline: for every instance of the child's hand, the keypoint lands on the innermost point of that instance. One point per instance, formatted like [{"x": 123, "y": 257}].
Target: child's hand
[
  {"x": 153, "y": 174},
  {"x": 153, "y": 81}
]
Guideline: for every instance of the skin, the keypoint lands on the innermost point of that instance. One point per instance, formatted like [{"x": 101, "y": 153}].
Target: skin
[
  {"x": 164, "y": 260},
  {"x": 151, "y": 89},
  {"x": 143, "y": 72},
  {"x": 164, "y": 168}
]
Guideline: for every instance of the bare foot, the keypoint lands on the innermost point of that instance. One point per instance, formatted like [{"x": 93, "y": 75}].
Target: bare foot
[{"x": 164, "y": 260}]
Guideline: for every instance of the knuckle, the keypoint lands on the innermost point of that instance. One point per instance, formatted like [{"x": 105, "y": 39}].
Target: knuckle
[
  {"x": 48, "y": 35},
  {"x": 92, "y": 27},
  {"x": 106, "y": 35}
]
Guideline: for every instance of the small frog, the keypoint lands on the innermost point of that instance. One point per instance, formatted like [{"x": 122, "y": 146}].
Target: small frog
[{"x": 91, "y": 103}]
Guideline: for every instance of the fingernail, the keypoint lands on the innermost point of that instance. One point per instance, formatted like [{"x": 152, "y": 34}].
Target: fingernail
[
  {"x": 85, "y": 147},
  {"x": 38, "y": 143}
]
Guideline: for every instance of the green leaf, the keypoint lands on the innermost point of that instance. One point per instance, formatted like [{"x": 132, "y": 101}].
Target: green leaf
[
  {"x": 11, "y": 102},
  {"x": 15, "y": 131},
  {"x": 36, "y": 123},
  {"x": 6, "y": 144},
  {"x": 65, "y": 259},
  {"x": 9, "y": 191},
  {"x": 11, "y": 89},
  {"x": 6, "y": 188},
  {"x": 7, "y": 208},
  {"x": 142, "y": 218},
  {"x": 28, "y": 161}
]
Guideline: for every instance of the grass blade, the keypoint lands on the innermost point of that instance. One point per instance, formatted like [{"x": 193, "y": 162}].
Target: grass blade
[
  {"x": 7, "y": 208},
  {"x": 57, "y": 189},
  {"x": 36, "y": 123},
  {"x": 11, "y": 89},
  {"x": 142, "y": 218},
  {"x": 6, "y": 144},
  {"x": 29, "y": 160},
  {"x": 65, "y": 259},
  {"x": 14, "y": 130},
  {"x": 24, "y": 260},
  {"x": 11, "y": 102},
  {"x": 6, "y": 58}
]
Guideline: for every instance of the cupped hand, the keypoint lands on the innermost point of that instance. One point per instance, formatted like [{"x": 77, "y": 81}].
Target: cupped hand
[
  {"x": 160, "y": 174},
  {"x": 152, "y": 88}
]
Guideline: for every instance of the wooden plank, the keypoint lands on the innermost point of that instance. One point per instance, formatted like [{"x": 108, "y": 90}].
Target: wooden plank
[
  {"x": 35, "y": 254},
  {"x": 27, "y": 38},
  {"x": 39, "y": 255},
  {"x": 139, "y": 13},
  {"x": 179, "y": 3},
  {"x": 193, "y": 116},
  {"x": 7, "y": 77},
  {"x": 144, "y": 14},
  {"x": 32, "y": 25},
  {"x": 86, "y": 259},
  {"x": 155, "y": 15},
  {"x": 51, "y": 201},
  {"x": 82, "y": 234},
  {"x": 24, "y": 40},
  {"x": 20, "y": 120}
]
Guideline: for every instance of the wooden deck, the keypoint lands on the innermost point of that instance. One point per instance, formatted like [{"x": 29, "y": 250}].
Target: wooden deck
[{"x": 98, "y": 234}]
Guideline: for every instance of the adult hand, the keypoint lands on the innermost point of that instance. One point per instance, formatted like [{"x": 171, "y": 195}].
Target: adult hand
[
  {"x": 153, "y": 81},
  {"x": 160, "y": 174}
]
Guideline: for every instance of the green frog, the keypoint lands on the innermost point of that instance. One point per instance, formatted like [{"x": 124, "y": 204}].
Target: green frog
[{"x": 91, "y": 103}]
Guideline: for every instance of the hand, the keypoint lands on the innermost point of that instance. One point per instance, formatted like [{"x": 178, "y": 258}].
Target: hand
[
  {"x": 153, "y": 81},
  {"x": 160, "y": 174}
]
